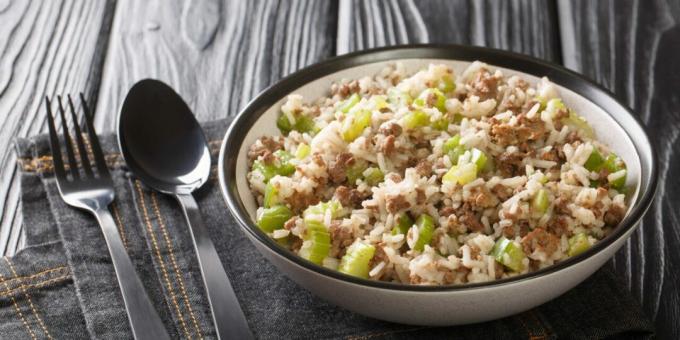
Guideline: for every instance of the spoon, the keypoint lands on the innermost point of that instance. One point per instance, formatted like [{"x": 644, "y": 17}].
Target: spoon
[{"x": 164, "y": 146}]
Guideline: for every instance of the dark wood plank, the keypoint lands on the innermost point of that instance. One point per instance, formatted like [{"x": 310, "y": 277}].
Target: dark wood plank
[
  {"x": 217, "y": 55},
  {"x": 528, "y": 27},
  {"x": 46, "y": 48},
  {"x": 631, "y": 47}
]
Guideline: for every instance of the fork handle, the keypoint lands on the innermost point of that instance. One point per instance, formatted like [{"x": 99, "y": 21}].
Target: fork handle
[
  {"x": 144, "y": 320},
  {"x": 228, "y": 317}
]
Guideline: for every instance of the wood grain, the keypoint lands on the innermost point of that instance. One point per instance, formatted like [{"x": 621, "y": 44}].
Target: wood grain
[
  {"x": 218, "y": 55},
  {"x": 46, "y": 48},
  {"x": 528, "y": 27},
  {"x": 631, "y": 47}
]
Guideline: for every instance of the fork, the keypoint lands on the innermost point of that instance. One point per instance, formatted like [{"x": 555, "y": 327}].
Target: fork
[{"x": 93, "y": 191}]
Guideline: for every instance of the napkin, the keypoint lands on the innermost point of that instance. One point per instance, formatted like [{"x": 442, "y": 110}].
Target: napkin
[{"x": 62, "y": 285}]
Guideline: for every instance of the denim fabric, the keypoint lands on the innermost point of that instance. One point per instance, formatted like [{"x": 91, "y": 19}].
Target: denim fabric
[{"x": 63, "y": 285}]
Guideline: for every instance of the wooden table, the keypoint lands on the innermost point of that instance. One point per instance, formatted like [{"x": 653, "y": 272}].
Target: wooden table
[{"x": 219, "y": 54}]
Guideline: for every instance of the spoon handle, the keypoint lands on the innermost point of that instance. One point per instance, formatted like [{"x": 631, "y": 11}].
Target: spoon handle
[{"x": 228, "y": 317}]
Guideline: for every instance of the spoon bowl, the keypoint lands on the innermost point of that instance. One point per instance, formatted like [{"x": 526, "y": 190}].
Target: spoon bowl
[{"x": 161, "y": 141}]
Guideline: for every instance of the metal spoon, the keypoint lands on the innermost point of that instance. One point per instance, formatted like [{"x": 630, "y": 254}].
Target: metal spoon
[{"x": 165, "y": 147}]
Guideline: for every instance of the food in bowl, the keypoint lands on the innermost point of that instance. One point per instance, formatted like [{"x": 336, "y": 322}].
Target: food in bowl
[{"x": 435, "y": 178}]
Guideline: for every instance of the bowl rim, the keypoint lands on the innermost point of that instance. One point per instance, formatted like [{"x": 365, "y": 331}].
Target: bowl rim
[{"x": 578, "y": 83}]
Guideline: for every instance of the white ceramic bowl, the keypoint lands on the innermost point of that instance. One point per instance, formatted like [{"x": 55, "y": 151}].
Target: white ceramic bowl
[{"x": 439, "y": 305}]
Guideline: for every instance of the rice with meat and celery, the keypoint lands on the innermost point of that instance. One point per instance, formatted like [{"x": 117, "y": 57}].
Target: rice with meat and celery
[{"x": 435, "y": 178}]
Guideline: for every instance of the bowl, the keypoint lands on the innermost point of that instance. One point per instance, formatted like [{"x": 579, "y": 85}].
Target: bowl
[{"x": 613, "y": 122}]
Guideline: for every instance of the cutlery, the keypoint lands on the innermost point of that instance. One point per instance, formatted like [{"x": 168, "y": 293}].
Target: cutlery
[
  {"x": 92, "y": 190},
  {"x": 164, "y": 146}
]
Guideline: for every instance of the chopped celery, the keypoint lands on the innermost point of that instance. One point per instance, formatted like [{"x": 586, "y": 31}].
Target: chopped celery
[
  {"x": 479, "y": 158},
  {"x": 399, "y": 98},
  {"x": 462, "y": 174},
  {"x": 355, "y": 172},
  {"x": 416, "y": 119},
  {"x": 274, "y": 218},
  {"x": 302, "y": 124},
  {"x": 509, "y": 254},
  {"x": 267, "y": 170},
  {"x": 355, "y": 124},
  {"x": 446, "y": 84},
  {"x": 285, "y": 167},
  {"x": 284, "y": 124},
  {"x": 316, "y": 244},
  {"x": 614, "y": 164},
  {"x": 284, "y": 241},
  {"x": 425, "y": 225},
  {"x": 554, "y": 105},
  {"x": 619, "y": 182},
  {"x": 441, "y": 124},
  {"x": 349, "y": 103},
  {"x": 451, "y": 143},
  {"x": 578, "y": 123},
  {"x": 302, "y": 151},
  {"x": 540, "y": 202},
  {"x": 594, "y": 162},
  {"x": 320, "y": 209},
  {"x": 379, "y": 102},
  {"x": 439, "y": 102},
  {"x": 404, "y": 223},
  {"x": 356, "y": 260},
  {"x": 578, "y": 244},
  {"x": 373, "y": 176},
  {"x": 270, "y": 195}
]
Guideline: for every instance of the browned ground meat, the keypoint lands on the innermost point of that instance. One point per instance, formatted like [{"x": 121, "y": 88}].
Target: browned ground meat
[
  {"x": 394, "y": 177},
  {"x": 484, "y": 86},
  {"x": 541, "y": 240},
  {"x": 299, "y": 201},
  {"x": 614, "y": 215},
  {"x": 341, "y": 238},
  {"x": 349, "y": 197},
  {"x": 266, "y": 145},
  {"x": 390, "y": 129},
  {"x": 387, "y": 145},
  {"x": 290, "y": 224},
  {"x": 482, "y": 198},
  {"x": 510, "y": 164},
  {"x": 395, "y": 203},
  {"x": 424, "y": 168},
  {"x": 338, "y": 170},
  {"x": 558, "y": 225},
  {"x": 468, "y": 218},
  {"x": 345, "y": 89}
]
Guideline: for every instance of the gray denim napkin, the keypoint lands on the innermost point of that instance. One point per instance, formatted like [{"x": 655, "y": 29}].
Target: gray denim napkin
[{"x": 63, "y": 285}]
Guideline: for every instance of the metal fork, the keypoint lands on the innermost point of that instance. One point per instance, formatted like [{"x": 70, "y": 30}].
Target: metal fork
[{"x": 93, "y": 191}]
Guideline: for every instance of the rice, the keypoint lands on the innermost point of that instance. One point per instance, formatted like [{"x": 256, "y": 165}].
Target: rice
[{"x": 435, "y": 179}]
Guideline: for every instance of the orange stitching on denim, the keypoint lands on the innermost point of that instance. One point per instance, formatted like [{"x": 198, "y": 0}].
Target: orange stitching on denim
[
  {"x": 36, "y": 285},
  {"x": 30, "y": 277},
  {"x": 17, "y": 309},
  {"x": 30, "y": 301},
  {"x": 119, "y": 223},
  {"x": 154, "y": 203},
  {"x": 147, "y": 220}
]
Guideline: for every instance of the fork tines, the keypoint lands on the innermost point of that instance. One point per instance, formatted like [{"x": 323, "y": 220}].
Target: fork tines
[{"x": 82, "y": 142}]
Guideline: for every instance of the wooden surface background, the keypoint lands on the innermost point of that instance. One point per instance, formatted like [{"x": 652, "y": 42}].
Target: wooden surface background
[{"x": 219, "y": 54}]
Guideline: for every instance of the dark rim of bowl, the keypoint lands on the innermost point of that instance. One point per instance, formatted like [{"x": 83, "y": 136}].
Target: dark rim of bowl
[{"x": 630, "y": 123}]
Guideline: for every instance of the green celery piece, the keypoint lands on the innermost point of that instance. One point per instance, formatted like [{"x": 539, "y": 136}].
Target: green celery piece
[
  {"x": 349, "y": 102},
  {"x": 446, "y": 84},
  {"x": 416, "y": 119},
  {"x": 425, "y": 225},
  {"x": 355, "y": 172},
  {"x": 451, "y": 144},
  {"x": 270, "y": 195},
  {"x": 373, "y": 176},
  {"x": 284, "y": 124},
  {"x": 540, "y": 202},
  {"x": 267, "y": 170},
  {"x": 553, "y": 105},
  {"x": 577, "y": 122},
  {"x": 285, "y": 167},
  {"x": 274, "y": 218},
  {"x": 440, "y": 103},
  {"x": 379, "y": 101},
  {"x": 595, "y": 161},
  {"x": 352, "y": 127},
  {"x": 303, "y": 151},
  {"x": 462, "y": 174},
  {"x": 284, "y": 241},
  {"x": 404, "y": 223},
  {"x": 356, "y": 260},
  {"x": 396, "y": 97},
  {"x": 441, "y": 124},
  {"x": 479, "y": 159},
  {"x": 507, "y": 253},
  {"x": 320, "y": 209},
  {"x": 578, "y": 244},
  {"x": 317, "y": 249},
  {"x": 620, "y": 182}
]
